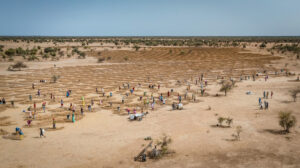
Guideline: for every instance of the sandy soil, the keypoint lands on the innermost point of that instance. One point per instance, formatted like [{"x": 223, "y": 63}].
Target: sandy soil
[{"x": 105, "y": 137}]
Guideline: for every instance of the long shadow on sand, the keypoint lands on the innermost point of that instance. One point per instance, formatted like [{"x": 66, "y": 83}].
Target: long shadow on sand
[
  {"x": 219, "y": 126},
  {"x": 275, "y": 132},
  {"x": 12, "y": 136}
]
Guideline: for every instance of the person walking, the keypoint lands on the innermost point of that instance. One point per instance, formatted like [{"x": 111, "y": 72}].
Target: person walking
[
  {"x": 42, "y": 133},
  {"x": 34, "y": 106},
  {"x": 92, "y": 102},
  {"x": 20, "y": 132},
  {"x": 54, "y": 123},
  {"x": 272, "y": 94},
  {"x": 73, "y": 117},
  {"x": 81, "y": 110},
  {"x": 29, "y": 123},
  {"x": 44, "y": 106}
]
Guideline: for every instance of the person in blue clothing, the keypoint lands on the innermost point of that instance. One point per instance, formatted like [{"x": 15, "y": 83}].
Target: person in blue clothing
[{"x": 73, "y": 117}]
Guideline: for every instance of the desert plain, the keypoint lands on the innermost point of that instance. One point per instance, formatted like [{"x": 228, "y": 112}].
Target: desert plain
[{"x": 105, "y": 73}]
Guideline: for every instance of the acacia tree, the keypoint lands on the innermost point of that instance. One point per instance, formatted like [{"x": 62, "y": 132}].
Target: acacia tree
[
  {"x": 226, "y": 86},
  {"x": 136, "y": 47},
  {"x": 294, "y": 93},
  {"x": 287, "y": 121}
]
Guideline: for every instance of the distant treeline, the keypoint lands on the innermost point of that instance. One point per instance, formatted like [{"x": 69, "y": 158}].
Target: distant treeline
[{"x": 155, "y": 41}]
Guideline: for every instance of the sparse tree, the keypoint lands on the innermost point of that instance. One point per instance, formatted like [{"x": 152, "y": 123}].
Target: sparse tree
[
  {"x": 81, "y": 55},
  {"x": 136, "y": 47},
  {"x": 287, "y": 121},
  {"x": 263, "y": 45},
  {"x": 294, "y": 93},
  {"x": 55, "y": 78},
  {"x": 226, "y": 86},
  {"x": 61, "y": 53}
]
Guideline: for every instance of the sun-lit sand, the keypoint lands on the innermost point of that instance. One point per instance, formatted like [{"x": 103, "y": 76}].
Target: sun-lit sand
[{"x": 105, "y": 137}]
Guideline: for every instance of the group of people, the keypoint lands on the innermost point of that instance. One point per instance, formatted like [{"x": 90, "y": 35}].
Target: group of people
[
  {"x": 2, "y": 101},
  {"x": 201, "y": 83},
  {"x": 264, "y": 104}
]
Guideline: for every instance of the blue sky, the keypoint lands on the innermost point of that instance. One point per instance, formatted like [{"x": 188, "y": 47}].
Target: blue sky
[{"x": 150, "y": 17}]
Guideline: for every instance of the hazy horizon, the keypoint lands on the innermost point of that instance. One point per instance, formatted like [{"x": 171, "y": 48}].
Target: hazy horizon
[{"x": 134, "y": 18}]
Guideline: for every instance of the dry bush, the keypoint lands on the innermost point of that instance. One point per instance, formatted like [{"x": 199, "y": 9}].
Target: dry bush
[
  {"x": 287, "y": 121},
  {"x": 100, "y": 60},
  {"x": 238, "y": 132},
  {"x": 220, "y": 121},
  {"x": 17, "y": 66},
  {"x": 55, "y": 78},
  {"x": 161, "y": 148},
  {"x": 209, "y": 108},
  {"x": 229, "y": 121}
]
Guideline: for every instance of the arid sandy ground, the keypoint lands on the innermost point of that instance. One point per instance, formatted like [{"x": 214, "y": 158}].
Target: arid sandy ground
[{"x": 105, "y": 137}]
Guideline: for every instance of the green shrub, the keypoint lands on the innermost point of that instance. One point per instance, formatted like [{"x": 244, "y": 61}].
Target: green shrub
[
  {"x": 50, "y": 49},
  {"x": 287, "y": 121},
  {"x": 10, "y": 52},
  {"x": 136, "y": 47},
  {"x": 81, "y": 55},
  {"x": 45, "y": 56},
  {"x": 100, "y": 60},
  {"x": 1, "y": 48},
  {"x": 32, "y": 58},
  {"x": 262, "y": 45}
]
